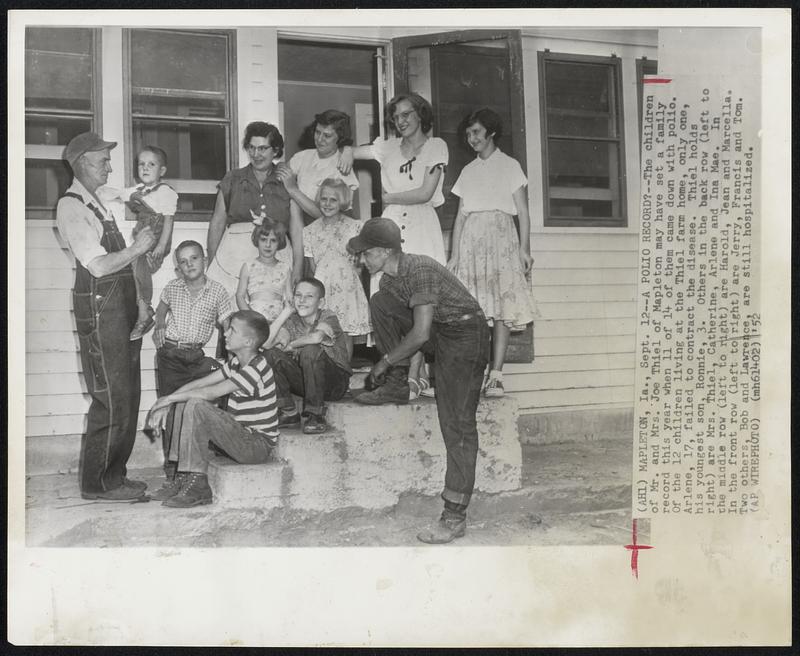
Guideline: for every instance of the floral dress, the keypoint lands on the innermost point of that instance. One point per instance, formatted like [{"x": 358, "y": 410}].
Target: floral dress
[
  {"x": 268, "y": 287},
  {"x": 326, "y": 244},
  {"x": 488, "y": 260}
]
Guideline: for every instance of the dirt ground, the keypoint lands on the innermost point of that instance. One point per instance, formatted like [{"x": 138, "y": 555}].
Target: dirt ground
[{"x": 572, "y": 494}]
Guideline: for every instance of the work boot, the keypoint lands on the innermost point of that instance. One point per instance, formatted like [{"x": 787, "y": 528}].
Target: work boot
[
  {"x": 449, "y": 527},
  {"x": 121, "y": 493},
  {"x": 169, "y": 488},
  {"x": 195, "y": 491},
  {"x": 394, "y": 390}
]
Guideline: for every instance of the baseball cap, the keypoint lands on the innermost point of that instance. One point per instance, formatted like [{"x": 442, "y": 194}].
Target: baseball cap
[
  {"x": 380, "y": 232},
  {"x": 86, "y": 142}
]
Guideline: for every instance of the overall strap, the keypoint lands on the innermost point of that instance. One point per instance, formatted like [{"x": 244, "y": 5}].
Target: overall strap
[{"x": 90, "y": 205}]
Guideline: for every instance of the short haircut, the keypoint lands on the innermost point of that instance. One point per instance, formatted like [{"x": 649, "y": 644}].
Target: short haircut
[
  {"x": 420, "y": 105},
  {"x": 158, "y": 152},
  {"x": 269, "y": 225},
  {"x": 256, "y": 322},
  {"x": 341, "y": 189},
  {"x": 489, "y": 119},
  {"x": 189, "y": 243},
  {"x": 267, "y": 131},
  {"x": 314, "y": 283},
  {"x": 339, "y": 121}
]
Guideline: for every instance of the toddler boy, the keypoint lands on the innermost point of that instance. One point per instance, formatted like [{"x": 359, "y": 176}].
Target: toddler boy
[
  {"x": 247, "y": 431},
  {"x": 191, "y": 307},
  {"x": 309, "y": 358}
]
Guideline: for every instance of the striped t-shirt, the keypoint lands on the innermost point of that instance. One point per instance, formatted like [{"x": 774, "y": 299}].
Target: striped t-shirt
[{"x": 254, "y": 402}]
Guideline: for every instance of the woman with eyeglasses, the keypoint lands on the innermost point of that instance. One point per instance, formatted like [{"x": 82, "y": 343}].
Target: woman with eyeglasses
[
  {"x": 246, "y": 196},
  {"x": 412, "y": 173}
]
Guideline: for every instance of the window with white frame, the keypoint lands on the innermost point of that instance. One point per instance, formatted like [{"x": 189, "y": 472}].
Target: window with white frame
[
  {"x": 179, "y": 98},
  {"x": 582, "y": 140},
  {"x": 62, "y": 97}
]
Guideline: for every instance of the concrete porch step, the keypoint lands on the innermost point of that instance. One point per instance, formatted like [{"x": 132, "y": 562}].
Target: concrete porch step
[{"x": 370, "y": 458}]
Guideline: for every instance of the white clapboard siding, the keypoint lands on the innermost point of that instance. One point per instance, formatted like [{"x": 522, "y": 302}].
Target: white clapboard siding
[
  {"x": 56, "y": 399},
  {"x": 584, "y": 337}
]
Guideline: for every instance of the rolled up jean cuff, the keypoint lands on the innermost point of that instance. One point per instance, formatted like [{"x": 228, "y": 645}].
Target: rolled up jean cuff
[{"x": 456, "y": 497}]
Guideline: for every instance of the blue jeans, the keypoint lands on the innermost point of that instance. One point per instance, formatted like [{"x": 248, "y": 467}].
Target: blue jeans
[
  {"x": 105, "y": 313},
  {"x": 203, "y": 422},
  {"x": 176, "y": 367},
  {"x": 461, "y": 352},
  {"x": 310, "y": 374}
]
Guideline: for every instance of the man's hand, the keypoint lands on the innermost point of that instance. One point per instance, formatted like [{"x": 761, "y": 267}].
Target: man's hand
[
  {"x": 145, "y": 240},
  {"x": 161, "y": 402},
  {"x": 379, "y": 369}
]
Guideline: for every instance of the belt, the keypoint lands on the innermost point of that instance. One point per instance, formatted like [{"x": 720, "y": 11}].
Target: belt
[
  {"x": 467, "y": 317},
  {"x": 183, "y": 345}
]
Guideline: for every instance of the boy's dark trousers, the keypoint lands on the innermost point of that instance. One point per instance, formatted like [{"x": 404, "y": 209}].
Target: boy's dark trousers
[
  {"x": 176, "y": 366},
  {"x": 310, "y": 374},
  {"x": 461, "y": 352}
]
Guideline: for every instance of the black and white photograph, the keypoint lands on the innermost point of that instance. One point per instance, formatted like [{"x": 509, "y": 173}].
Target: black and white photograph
[{"x": 401, "y": 309}]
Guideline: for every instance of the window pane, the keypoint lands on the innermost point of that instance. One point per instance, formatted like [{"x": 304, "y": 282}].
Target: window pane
[
  {"x": 46, "y": 180},
  {"x": 578, "y": 86},
  {"x": 194, "y": 151},
  {"x": 179, "y": 74},
  {"x": 582, "y": 163},
  {"x": 54, "y": 131},
  {"x": 576, "y": 209},
  {"x": 58, "y": 69},
  {"x": 576, "y": 125},
  {"x": 196, "y": 202}
]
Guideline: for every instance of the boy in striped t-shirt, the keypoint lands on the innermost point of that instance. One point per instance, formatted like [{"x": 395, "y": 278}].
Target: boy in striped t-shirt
[{"x": 247, "y": 432}]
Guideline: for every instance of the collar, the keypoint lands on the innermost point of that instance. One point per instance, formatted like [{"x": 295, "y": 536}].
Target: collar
[
  {"x": 250, "y": 175},
  {"x": 490, "y": 158},
  {"x": 186, "y": 287},
  {"x": 88, "y": 199}
]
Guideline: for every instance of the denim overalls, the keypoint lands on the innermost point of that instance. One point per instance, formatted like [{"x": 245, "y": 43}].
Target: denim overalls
[{"x": 105, "y": 312}]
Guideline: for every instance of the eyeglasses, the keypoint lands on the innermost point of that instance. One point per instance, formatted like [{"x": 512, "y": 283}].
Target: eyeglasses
[
  {"x": 261, "y": 150},
  {"x": 403, "y": 116}
]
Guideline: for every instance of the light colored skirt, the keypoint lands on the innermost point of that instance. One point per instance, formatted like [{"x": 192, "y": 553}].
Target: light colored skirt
[{"x": 490, "y": 268}]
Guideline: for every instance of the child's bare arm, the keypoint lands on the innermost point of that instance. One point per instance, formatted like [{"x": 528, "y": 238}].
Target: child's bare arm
[
  {"x": 160, "y": 331},
  {"x": 241, "y": 289},
  {"x": 276, "y": 332}
]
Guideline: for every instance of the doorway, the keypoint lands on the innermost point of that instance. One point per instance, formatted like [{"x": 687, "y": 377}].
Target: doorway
[
  {"x": 460, "y": 72},
  {"x": 315, "y": 76}
]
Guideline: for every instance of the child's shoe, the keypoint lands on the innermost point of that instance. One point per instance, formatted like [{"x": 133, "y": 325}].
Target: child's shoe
[
  {"x": 425, "y": 388},
  {"x": 195, "y": 491},
  {"x": 288, "y": 419},
  {"x": 315, "y": 424},
  {"x": 494, "y": 388},
  {"x": 143, "y": 326}
]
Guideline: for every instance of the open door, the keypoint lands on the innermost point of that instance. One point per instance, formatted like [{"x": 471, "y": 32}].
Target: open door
[{"x": 459, "y": 72}]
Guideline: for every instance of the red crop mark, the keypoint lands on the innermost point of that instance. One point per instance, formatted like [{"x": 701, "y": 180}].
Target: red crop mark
[
  {"x": 634, "y": 548},
  {"x": 656, "y": 80}
]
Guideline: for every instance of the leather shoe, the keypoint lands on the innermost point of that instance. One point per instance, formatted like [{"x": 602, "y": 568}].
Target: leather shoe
[
  {"x": 121, "y": 493},
  {"x": 288, "y": 419},
  {"x": 445, "y": 530},
  {"x": 136, "y": 485},
  {"x": 195, "y": 491}
]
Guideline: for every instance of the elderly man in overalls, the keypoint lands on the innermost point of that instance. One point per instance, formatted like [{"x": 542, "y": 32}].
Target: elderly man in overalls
[{"x": 104, "y": 301}]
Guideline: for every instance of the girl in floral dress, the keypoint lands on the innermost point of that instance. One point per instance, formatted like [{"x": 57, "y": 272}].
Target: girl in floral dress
[
  {"x": 488, "y": 256},
  {"x": 325, "y": 245}
]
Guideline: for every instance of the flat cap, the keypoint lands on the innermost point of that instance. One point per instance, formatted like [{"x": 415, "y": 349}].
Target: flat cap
[
  {"x": 380, "y": 232},
  {"x": 86, "y": 142}
]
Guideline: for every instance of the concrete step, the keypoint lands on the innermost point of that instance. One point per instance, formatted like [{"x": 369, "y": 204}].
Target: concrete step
[
  {"x": 371, "y": 456},
  {"x": 384, "y": 453}
]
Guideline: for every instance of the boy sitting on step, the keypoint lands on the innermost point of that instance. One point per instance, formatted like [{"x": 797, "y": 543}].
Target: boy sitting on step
[
  {"x": 309, "y": 358},
  {"x": 247, "y": 431},
  {"x": 190, "y": 309}
]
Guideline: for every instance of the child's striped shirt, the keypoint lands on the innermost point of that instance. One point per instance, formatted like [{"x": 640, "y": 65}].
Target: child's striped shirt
[{"x": 254, "y": 403}]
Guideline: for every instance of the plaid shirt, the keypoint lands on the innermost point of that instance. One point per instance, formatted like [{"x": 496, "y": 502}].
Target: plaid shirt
[
  {"x": 421, "y": 280},
  {"x": 193, "y": 319}
]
